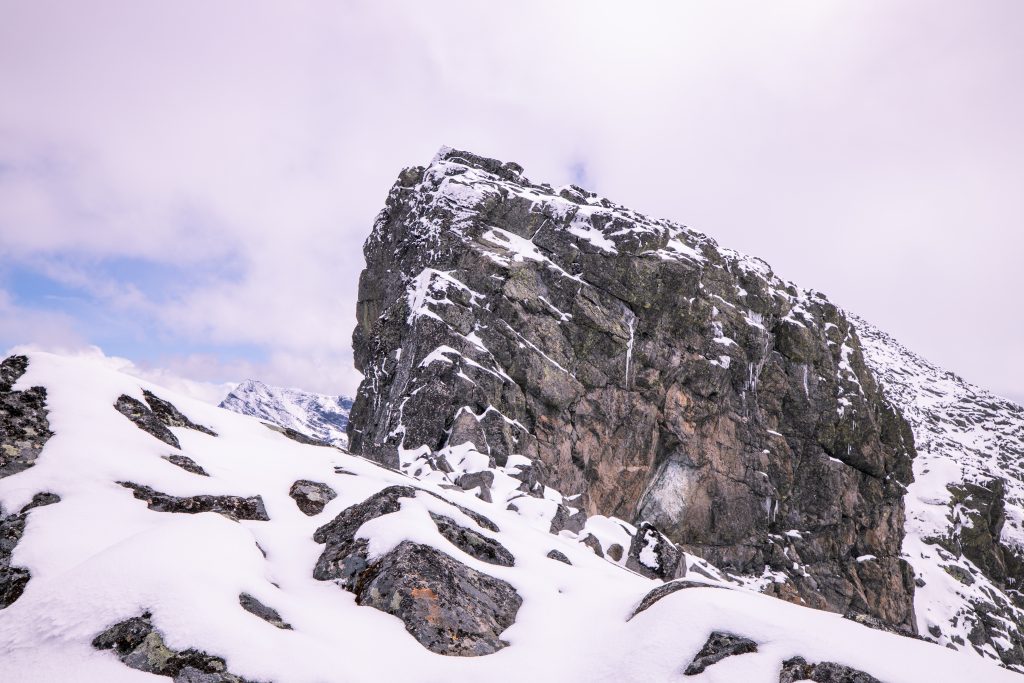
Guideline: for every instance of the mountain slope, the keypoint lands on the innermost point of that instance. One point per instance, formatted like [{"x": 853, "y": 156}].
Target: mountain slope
[
  {"x": 196, "y": 562},
  {"x": 965, "y": 509},
  {"x": 321, "y": 417}
]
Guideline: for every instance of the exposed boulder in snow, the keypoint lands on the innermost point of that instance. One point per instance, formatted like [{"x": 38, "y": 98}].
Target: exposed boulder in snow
[
  {"x": 232, "y": 507},
  {"x": 638, "y": 364},
  {"x": 311, "y": 496},
  {"x": 300, "y": 413},
  {"x": 450, "y": 608},
  {"x": 654, "y": 555},
  {"x": 566, "y": 518},
  {"x": 666, "y": 590},
  {"x": 482, "y": 481},
  {"x": 171, "y": 416},
  {"x": 186, "y": 463},
  {"x": 139, "y": 645},
  {"x": 268, "y": 614},
  {"x": 155, "y": 416},
  {"x": 797, "y": 670},
  {"x": 24, "y": 427},
  {"x": 558, "y": 556},
  {"x": 719, "y": 646},
  {"x": 145, "y": 419},
  {"x": 13, "y": 579},
  {"x": 473, "y": 542}
]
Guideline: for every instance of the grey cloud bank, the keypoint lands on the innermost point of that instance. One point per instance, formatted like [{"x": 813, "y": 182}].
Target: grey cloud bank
[{"x": 870, "y": 150}]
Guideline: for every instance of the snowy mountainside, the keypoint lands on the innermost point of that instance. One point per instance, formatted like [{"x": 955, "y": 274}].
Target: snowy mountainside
[
  {"x": 965, "y": 508},
  {"x": 159, "y": 538},
  {"x": 316, "y": 415}
]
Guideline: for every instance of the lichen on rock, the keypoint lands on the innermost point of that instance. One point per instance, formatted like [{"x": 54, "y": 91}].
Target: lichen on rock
[{"x": 24, "y": 421}]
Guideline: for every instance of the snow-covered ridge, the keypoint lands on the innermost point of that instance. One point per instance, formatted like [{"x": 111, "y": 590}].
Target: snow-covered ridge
[
  {"x": 99, "y": 555},
  {"x": 967, "y": 500},
  {"x": 319, "y": 416}
]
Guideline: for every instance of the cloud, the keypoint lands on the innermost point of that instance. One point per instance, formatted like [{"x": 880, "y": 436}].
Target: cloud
[{"x": 240, "y": 151}]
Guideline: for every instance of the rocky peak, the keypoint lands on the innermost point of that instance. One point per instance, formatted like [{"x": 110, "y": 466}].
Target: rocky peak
[
  {"x": 322, "y": 417},
  {"x": 638, "y": 367}
]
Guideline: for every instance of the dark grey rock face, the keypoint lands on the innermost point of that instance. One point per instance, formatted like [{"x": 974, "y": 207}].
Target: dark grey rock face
[
  {"x": 449, "y": 608},
  {"x": 186, "y": 463},
  {"x": 24, "y": 426},
  {"x": 13, "y": 580},
  {"x": 232, "y": 507},
  {"x": 473, "y": 542},
  {"x": 655, "y": 556},
  {"x": 719, "y": 646},
  {"x": 311, "y": 496},
  {"x": 640, "y": 365},
  {"x": 139, "y": 645},
  {"x": 267, "y": 614},
  {"x": 156, "y": 417},
  {"x": 797, "y": 669}
]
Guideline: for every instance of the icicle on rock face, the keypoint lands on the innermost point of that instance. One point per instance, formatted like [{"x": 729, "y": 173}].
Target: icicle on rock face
[{"x": 634, "y": 362}]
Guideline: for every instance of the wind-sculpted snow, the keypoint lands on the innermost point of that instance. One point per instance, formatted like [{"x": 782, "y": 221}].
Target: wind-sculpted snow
[
  {"x": 551, "y": 350},
  {"x": 119, "y": 590},
  {"x": 965, "y": 509}
]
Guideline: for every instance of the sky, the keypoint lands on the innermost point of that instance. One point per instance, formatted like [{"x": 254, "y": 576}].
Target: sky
[{"x": 187, "y": 185}]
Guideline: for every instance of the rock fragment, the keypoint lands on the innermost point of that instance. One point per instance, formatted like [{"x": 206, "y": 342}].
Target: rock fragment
[
  {"x": 719, "y": 645},
  {"x": 654, "y": 555},
  {"x": 232, "y": 507},
  {"x": 13, "y": 580},
  {"x": 311, "y": 496},
  {"x": 268, "y": 614},
  {"x": 140, "y": 646},
  {"x": 156, "y": 417},
  {"x": 448, "y": 607},
  {"x": 473, "y": 543},
  {"x": 186, "y": 463},
  {"x": 797, "y": 669},
  {"x": 24, "y": 422}
]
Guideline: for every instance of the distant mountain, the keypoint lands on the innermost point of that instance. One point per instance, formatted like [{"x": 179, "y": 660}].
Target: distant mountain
[{"x": 321, "y": 417}]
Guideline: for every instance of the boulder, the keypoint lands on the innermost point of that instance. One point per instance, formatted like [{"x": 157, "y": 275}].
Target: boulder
[
  {"x": 140, "y": 646},
  {"x": 797, "y": 670},
  {"x": 449, "y": 608},
  {"x": 232, "y": 507},
  {"x": 24, "y": 422},
  {"x": 637, "y": 364},
  {"x": 311, "y": 496},
  {"x": 719, "y": 645},
  {"x": 654, "y": 555}
]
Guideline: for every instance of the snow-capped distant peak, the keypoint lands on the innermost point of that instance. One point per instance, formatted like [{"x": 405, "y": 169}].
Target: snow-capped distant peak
[{"x": 317, "y": 415}]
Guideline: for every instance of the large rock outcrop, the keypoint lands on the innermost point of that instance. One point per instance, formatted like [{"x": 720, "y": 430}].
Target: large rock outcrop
[{"x": 638, "y": 364}]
